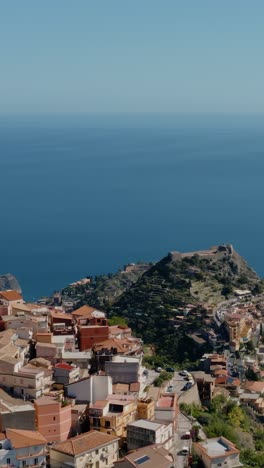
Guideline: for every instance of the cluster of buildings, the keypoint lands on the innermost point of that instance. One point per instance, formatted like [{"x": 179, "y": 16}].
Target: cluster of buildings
[
  {"x": 73, "y": 388},
  {"x": 242, "y": 320},
  {"x": 72, "y": 391},
  {"x": 217, "y": 377}
]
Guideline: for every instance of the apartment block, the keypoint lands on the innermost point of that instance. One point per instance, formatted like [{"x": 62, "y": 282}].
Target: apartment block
[
  {"x": 142, "y": 432},
  {"x": 92, "y": 449},
  {"x": 113, "y": 415}
]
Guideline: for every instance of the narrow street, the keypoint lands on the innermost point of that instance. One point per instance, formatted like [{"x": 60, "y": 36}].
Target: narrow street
[{"x": 184, "y": 425}]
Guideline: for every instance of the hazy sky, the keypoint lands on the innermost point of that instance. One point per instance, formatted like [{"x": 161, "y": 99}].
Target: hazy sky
[{"x": 131, "y": 56}]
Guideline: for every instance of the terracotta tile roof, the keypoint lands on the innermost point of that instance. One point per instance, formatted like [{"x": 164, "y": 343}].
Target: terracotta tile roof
[
  {"x": 220, "y": 381},
  {"x": 61, "y": 315},
  {"x": 234, "y": 382},
  {"x": 64, "y": 365},
  {"x": 11, "y": 295},
  {"x": 84, "y": 443},
  {"x": 252, "y": 386},
  {"x": 122, "y": 346},
  {"x": 85, "y": 310},
  {"x": 22, "y": 438}
]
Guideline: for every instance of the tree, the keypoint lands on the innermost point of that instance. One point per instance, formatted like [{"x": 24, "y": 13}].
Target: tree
[
  {"x": 251, "y": 375},
  {"x": 115, "y": 320}
]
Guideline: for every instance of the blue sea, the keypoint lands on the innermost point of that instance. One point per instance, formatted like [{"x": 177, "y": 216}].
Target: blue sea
[{"x": 83, "y": 195}]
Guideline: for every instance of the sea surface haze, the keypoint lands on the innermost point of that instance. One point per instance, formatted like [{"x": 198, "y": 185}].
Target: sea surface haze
[{"x": 86, "y": 194}]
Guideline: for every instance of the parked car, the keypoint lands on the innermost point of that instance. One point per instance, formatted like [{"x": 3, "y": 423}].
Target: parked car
[
  {"x": 158, "y": 369},
  {"x": 183, "y": 373},
  {"x": 184, "y": 451},
  {"x": 188, "y": 377},
  {"x": 170, "y": 388},
  {"x": 187, "y": 435},
  {"x": 187, "y": 386},
  {"x": 169, "y": 369},
  {"x": 145, "y": 372}
]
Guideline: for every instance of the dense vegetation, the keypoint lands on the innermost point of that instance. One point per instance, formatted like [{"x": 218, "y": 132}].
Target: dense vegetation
[
  {"x": 103, "y": 290},
  {"x": 225, "y": 418},
  {"x": 151, "y": 304},
  {"x": 150, "y": 298}
]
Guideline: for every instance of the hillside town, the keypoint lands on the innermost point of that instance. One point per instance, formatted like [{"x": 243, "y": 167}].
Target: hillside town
[{"x": 76, "y": 391}]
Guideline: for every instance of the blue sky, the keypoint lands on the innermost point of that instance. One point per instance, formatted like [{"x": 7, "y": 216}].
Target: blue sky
[{"x": 131, "y": 56}]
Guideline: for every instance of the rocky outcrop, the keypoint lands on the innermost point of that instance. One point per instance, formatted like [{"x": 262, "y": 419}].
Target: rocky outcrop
[{"x": 9, "y": 281}]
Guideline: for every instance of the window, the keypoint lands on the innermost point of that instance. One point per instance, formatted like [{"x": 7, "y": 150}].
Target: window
[
  {"x": 96, "y": 452},
  {"x": 54, "y": 418},
  {"x": 8, "y": 461},
  {"x": 35, "y": 461}
]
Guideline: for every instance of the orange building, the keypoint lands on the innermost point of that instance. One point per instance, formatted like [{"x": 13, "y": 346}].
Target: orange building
[{"x": 53, "y": 420}]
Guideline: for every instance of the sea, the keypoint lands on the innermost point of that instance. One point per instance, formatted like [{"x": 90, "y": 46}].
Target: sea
[{"x": 85, "y": 194}]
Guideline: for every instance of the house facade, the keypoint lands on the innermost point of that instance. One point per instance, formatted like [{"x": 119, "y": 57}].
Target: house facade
[
  {"x": 89, "y": 450},
  {"x": 20, "y": 448}
]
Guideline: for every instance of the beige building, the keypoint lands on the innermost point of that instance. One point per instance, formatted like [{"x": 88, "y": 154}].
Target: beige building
[
  {"x": 146, "y": 408},
  {"x": 26, "y": 382},
  {"x": 89, "y": 450},
  {"x": 113, "y": 415}
]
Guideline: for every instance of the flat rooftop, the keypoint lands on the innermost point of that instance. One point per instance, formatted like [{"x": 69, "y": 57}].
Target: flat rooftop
[
  {"x": 166, "y": 402},
  {"x": 146, "y": 424},
  {"x": 218, "y": 447},
  {"x": 134, "y": 359}
]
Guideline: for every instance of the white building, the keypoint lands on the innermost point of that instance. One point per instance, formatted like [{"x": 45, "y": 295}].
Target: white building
[
  {"x": 90, "y": 389},
  {"x": 143, "y": 432},
  {"x": 21, "y": 448}
]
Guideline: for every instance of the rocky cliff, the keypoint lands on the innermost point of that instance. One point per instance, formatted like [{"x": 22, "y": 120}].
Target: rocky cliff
[{"x": 8, "y": 281}]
